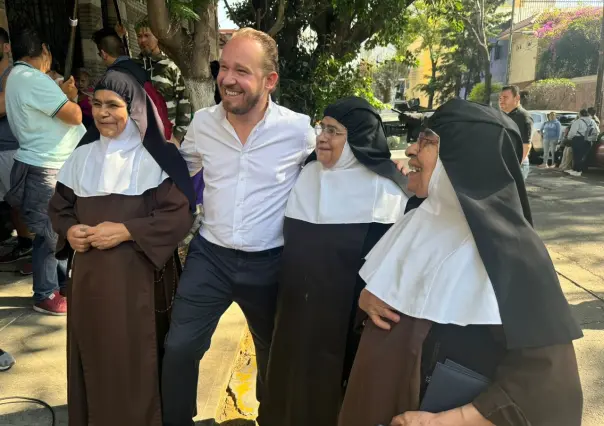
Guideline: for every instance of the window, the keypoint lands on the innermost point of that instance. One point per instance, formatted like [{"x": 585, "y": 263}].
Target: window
[
  {"x": 497, "y": 52},
  {"x": 537, "y": 118}
]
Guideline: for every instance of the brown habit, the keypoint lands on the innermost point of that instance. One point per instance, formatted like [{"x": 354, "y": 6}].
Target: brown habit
[
  {"x": 119, "y": 302},
  {"x": 530, "y": 387}
]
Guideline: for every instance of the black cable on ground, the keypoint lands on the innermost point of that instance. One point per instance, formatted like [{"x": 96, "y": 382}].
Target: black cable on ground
[{"x": 24, "y": 400}]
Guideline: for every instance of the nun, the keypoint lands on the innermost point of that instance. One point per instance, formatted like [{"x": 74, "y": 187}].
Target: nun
[
  {"x": 462, "y": 284},
  {"x": 348, "y": 194},
  {"x": 122, "y": 204}
]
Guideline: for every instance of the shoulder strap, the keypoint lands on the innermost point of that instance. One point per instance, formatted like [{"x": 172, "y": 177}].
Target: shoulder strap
[{"x": 4, "y": 75}]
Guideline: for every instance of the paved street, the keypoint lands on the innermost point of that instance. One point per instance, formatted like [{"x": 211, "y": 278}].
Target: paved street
[{"x": 567, "y": 213}]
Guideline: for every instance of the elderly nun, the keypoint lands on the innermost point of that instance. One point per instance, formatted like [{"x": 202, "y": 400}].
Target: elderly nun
[
  {"x": 122, "y": 204},
  {"x": 347, "y": 196},
  {"x": 469, "y": 324}
]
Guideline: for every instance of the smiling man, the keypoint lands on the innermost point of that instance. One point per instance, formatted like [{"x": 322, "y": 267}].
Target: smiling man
[{"x": 251, "y": 151}]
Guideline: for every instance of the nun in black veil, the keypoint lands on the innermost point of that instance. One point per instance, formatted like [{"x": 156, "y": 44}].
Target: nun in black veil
[
  {"x": 463, "y": 280},
  {"x": 122, "y": 204},
  {"x": 347, "y": 196}
]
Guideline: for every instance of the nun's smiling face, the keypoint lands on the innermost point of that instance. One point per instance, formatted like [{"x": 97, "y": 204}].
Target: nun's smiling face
[
  {"x": 423, "y": 157},
  {"x": 331, "y": 138},
  {"x": 110, "y": 113}
]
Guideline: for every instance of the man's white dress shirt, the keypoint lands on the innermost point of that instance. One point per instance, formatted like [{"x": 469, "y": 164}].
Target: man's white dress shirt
[{"x": 247, "y": 185}]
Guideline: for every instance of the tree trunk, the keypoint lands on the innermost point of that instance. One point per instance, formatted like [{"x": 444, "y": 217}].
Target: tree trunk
[{"x": 201, "y": 92}]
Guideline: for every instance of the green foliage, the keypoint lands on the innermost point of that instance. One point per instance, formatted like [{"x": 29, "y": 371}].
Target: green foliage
[
  {"x": 568, "y": 42},
  {"x": 550, "y": 93},
  {"x": 185, "y": 10},
  {"x": 478, "y": 92}
]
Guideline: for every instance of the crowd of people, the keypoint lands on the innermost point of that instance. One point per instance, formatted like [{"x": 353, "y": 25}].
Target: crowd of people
[{"x": 360, "y": 278}]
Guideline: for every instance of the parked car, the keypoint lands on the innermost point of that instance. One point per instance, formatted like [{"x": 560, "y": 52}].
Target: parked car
[
  {"x": 539, "y": 119},
  {"x": 596, "y": 156}
]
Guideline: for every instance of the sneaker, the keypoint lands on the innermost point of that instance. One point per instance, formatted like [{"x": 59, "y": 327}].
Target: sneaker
[
  {"x": 6, "y": 361},
  {"x": 574, "y": 173},
  {"x": 569, "y": 171},
  {"x": 27, "y": 269},
  {"x": 54, "y": 305},
  {"x": 19, "y": 252}
]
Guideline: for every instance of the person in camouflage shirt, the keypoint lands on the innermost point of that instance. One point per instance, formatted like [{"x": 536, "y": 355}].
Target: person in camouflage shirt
[{"x": 166, "y": 77}]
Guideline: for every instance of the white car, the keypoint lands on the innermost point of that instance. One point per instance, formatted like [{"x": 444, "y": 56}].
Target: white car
[{"x": 539, "y": 119}]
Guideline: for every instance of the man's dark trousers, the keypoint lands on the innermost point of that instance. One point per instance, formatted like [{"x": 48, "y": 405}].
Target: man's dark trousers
[{"x": 212, "y": 279}]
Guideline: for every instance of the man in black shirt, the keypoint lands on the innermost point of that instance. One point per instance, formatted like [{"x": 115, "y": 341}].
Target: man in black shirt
[{"x": 509, "y": 102}]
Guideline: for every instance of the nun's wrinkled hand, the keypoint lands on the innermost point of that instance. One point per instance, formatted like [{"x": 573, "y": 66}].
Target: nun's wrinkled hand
[
  {"x": 379, "y": 312},
  {"x": 107, "y": 235},
  {"x": 417, "y": 418},
  {"x": 77, "y": 238}
]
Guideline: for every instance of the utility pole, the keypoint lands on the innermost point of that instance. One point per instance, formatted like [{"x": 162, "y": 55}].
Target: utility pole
[
  {"x": 600, "y": 68},
  {"x": 509, "y": 67}
]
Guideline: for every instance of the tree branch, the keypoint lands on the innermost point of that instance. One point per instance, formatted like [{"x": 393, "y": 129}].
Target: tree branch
[
  {"x": 280, "y": 20},
  {"x": 232, "y": 14},
  {"x": 161, "y": 24}
]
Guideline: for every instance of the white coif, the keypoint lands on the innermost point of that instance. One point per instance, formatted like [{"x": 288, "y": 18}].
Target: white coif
[
  {"x": 346, "y": 193},
  {"x": 427, "y": 265},
  {"x": 112, "y": 166}
]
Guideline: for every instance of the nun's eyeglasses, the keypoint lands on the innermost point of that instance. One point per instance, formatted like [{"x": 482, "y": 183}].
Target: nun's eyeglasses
[{"x": 329, "y": 130}]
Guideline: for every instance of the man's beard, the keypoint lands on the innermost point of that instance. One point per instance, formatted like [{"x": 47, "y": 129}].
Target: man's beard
[{"x": 250, "y": 101}]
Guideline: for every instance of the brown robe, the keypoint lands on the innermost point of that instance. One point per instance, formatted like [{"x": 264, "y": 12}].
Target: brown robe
[
  {"x": 119, "y": 303},
  {"x": 529, "y": 387},
  {"x": 315, "y": 339}
]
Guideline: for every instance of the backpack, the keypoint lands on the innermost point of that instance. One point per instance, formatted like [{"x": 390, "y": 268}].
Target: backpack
[{"x": 161, "y": 107}]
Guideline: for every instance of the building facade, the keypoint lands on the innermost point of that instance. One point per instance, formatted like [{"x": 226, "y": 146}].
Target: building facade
[{"x": 51, "y": 17}]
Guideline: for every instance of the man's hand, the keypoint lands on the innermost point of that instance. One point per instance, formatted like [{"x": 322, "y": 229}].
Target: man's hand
[
  {"x": 401, "y": 165},
  {"x": 107, "y": 235},
  {"x": 121, "y": 31},
  {"x": 69, "y": 88},
  {"x": 77, "y": 237},
  {"x": 377, "y": 310}
]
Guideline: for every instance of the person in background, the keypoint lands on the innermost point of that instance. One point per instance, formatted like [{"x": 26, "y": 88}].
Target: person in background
[
  {"x": 592, "y": 113},
  {"x": 48, "y": 127},
  {"x": 85, "y": 91},
  {"x": 113, "y": 53},
  {"x": 6, "y": 361},
  {"x": 166, "y": 77},
  {"x": 550, "y": 133},
  {"x": 583, "y": 132},
  {"x": 509, "y": 102},
  {"x": 8, "y": 148}
]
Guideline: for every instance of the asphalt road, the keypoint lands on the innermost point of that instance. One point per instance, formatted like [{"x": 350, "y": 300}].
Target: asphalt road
[{"x": 568, "y": 214}]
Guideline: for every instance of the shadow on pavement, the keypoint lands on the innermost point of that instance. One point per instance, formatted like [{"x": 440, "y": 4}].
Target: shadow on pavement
[{"x": 590, "y": 315}]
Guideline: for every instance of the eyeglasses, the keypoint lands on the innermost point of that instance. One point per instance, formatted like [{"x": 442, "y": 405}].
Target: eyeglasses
[
  {"x": 427, "y": 137},
  {"x": 329, "y": 130}
]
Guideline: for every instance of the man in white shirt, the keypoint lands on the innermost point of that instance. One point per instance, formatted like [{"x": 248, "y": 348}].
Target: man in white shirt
[
  {"x": 251, "y": 151},
  {"x": 583, "y": 132}
]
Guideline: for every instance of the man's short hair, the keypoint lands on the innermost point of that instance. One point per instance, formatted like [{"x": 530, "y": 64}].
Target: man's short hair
[
  {"x": 269, "y": 46},
  {"x": 514, "y": 89},
  {"x": 109, "y": 41},
  {"x": 584, "y": 113},
  {"x": 591, "y": 111},
  {"x": 143, "y": 23},
  {"x": 4, "y": 37},
  {"x": 27, "y": 42}
]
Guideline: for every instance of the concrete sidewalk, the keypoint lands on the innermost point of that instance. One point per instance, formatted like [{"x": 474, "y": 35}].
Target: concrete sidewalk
[{"x": 38, "y": 343}]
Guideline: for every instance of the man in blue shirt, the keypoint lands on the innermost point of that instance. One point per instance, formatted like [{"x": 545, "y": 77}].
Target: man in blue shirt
[{"x": 48, "y": 127}]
